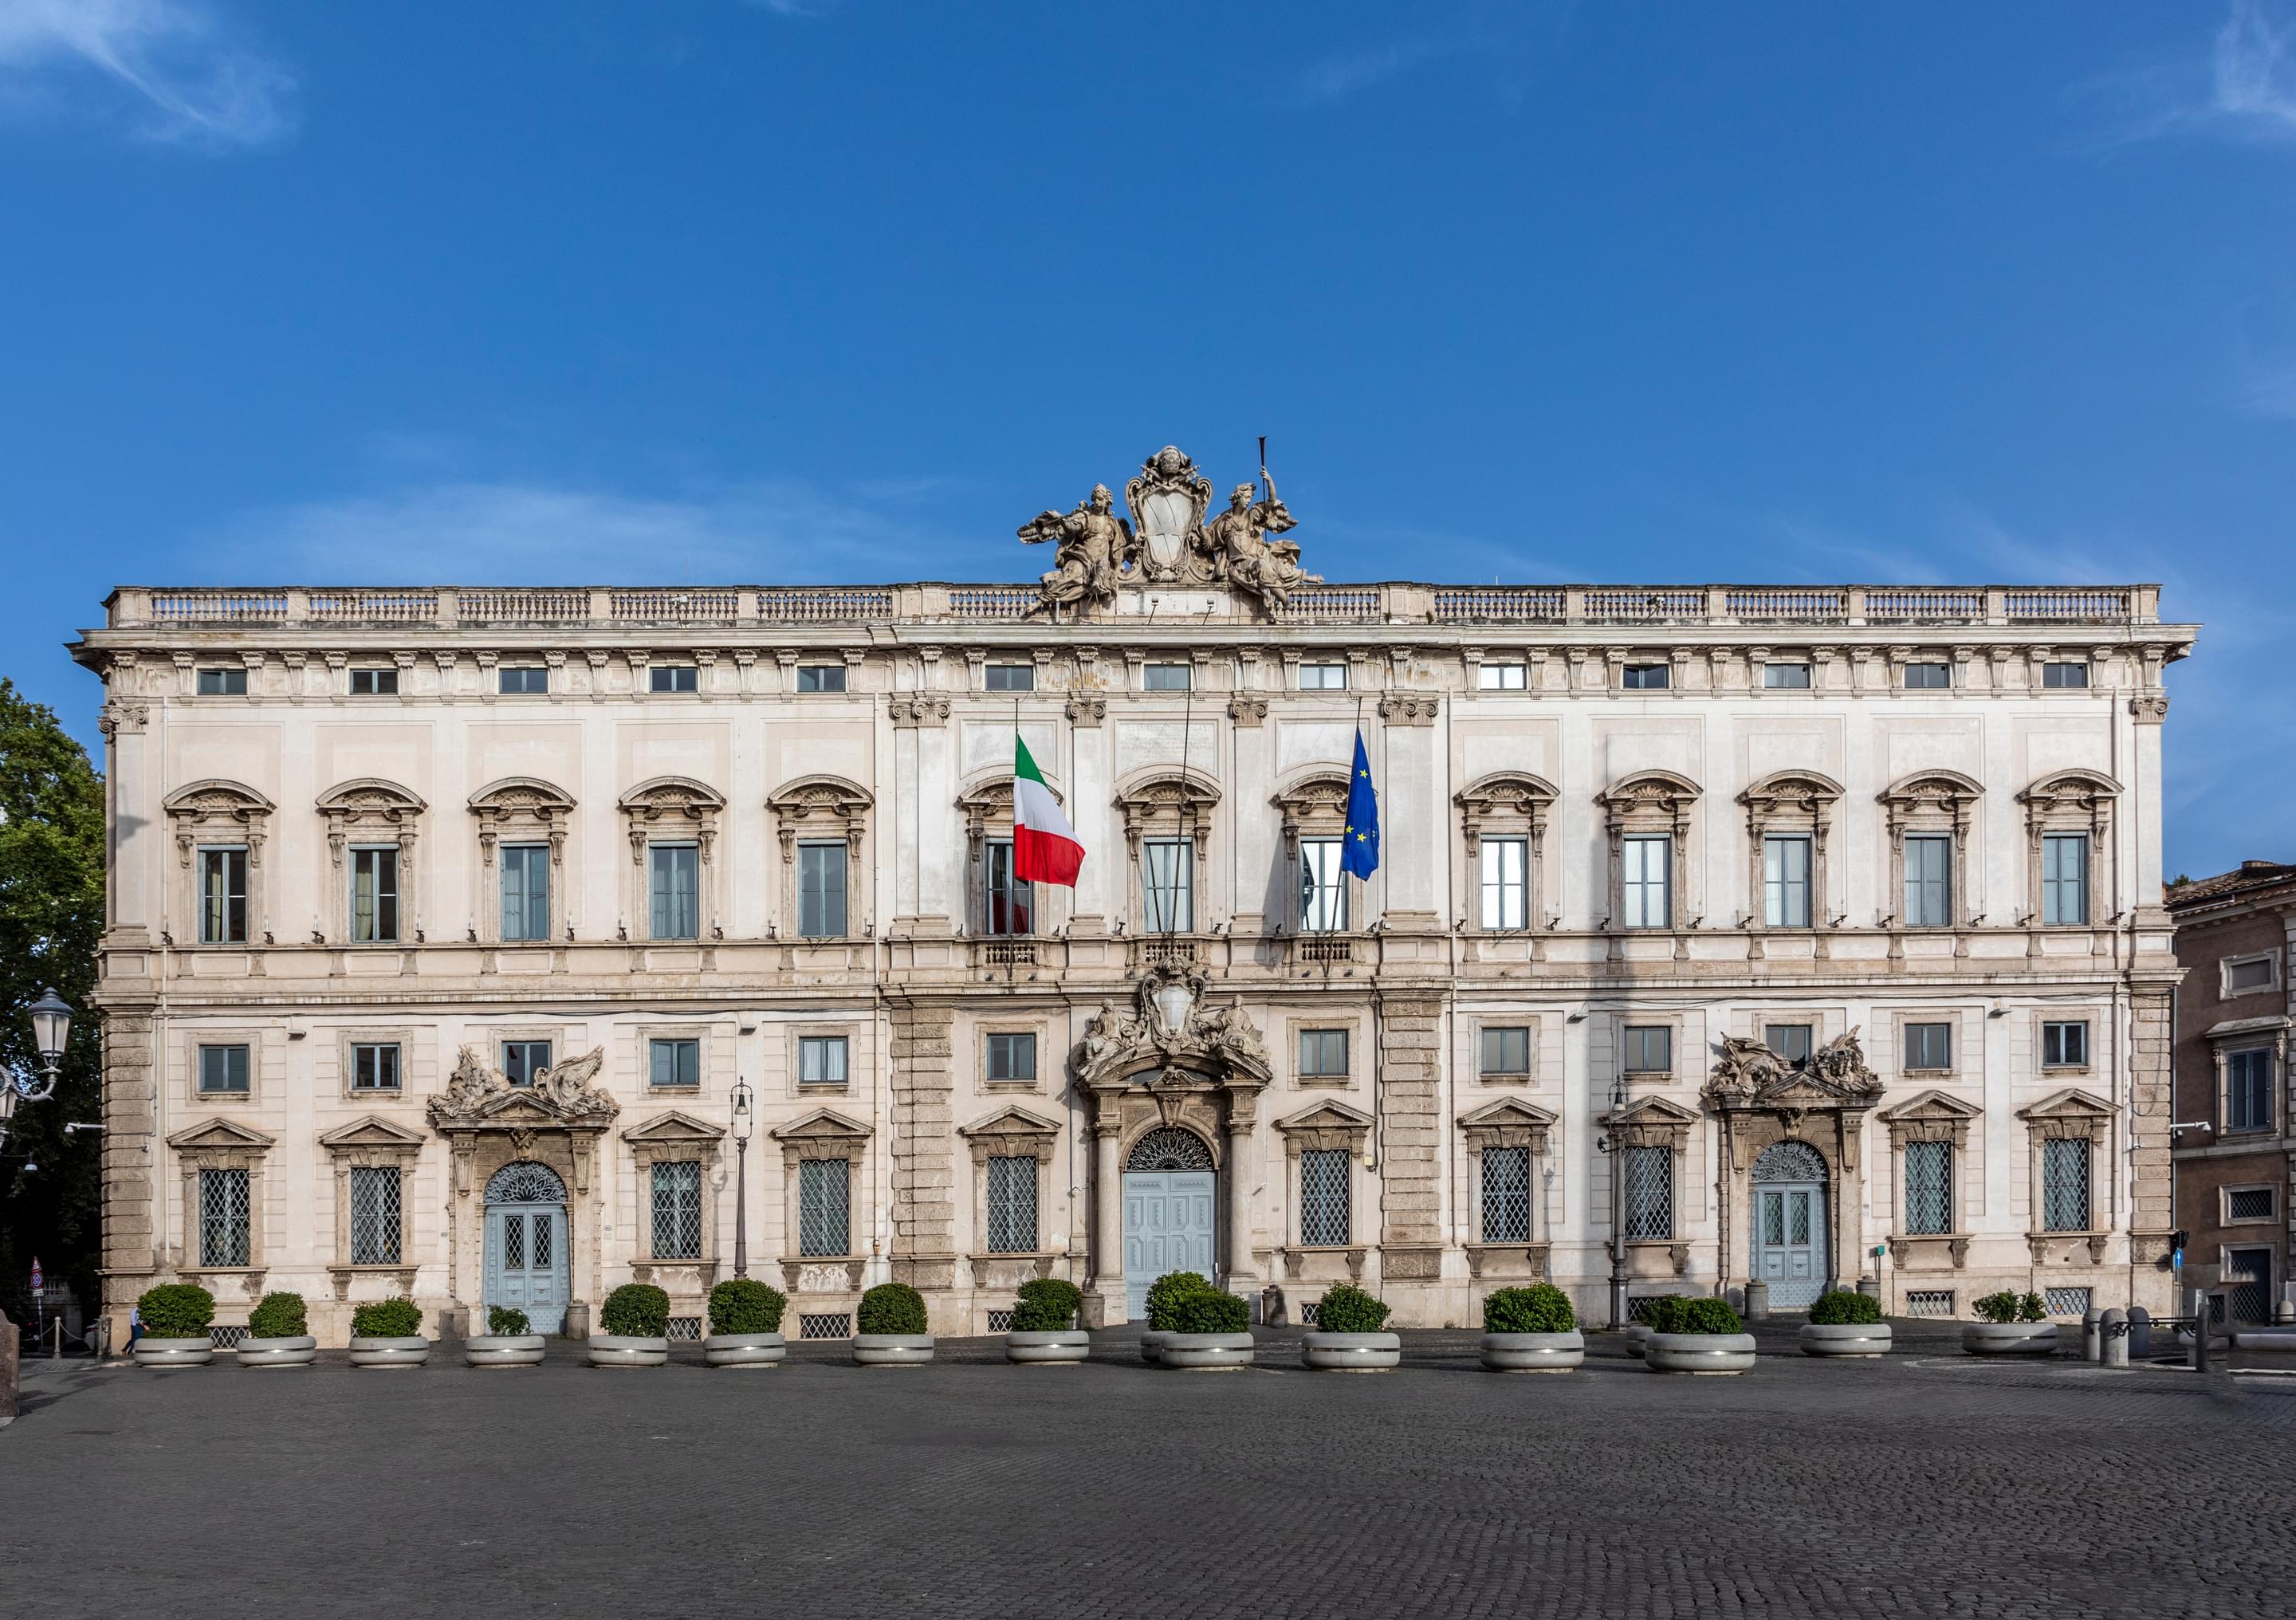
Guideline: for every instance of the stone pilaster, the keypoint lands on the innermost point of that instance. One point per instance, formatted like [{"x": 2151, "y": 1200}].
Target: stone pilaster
[
  {"x": 924, "y": 1149},
  {"x": 131, "y": 1136},
  {"x": 1411, "y": 1126},
  {"x": 2151, "y": 1098}
]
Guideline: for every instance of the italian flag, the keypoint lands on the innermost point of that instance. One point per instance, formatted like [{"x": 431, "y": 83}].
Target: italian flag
[{"x": 1045, "y": 848}]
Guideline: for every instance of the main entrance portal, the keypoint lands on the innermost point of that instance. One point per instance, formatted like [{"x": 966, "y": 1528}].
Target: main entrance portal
[
  {"x": 526, "y": 1245},
  {"x": 1790, "y": 1223},
  {"x": 1170, "y": 1192}
]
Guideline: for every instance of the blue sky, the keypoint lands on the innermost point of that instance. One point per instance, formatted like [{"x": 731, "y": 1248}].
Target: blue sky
[{"x": 716, "y": 289}]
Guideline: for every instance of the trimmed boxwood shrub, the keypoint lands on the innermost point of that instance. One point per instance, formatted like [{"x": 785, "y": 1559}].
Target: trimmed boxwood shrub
[
  {"x": 1540, "y": 1308},
  {"x": 1207, "y": 1310},
  {"x": 744, "y": 1305},
  {"x": 1344, "y": 1309},
  {"x": 175, "y": 1310},
  {"x": 1845, "y": 1307},
  {"x": 635, "y": 1310},
  {"x": 1165, "y": 1294},
  {"x": 506, "y": 1323},
  {"x": 387, "y": 1319},
  {"x": 1677, "y": 1314},
  {"x": 1046, "y": 1306},
  {"x": 277, "y": 1316},
  {"x": 2007, "y": 1306},
  {"x": 893, "y": 1307}
]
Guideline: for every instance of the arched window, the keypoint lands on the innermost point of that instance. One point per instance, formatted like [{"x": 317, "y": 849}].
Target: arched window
[
  {"x": 1789, "y": 1161},
  {"x": 1170, "y": 1147},
  {"x": 525, "y": 1183}
]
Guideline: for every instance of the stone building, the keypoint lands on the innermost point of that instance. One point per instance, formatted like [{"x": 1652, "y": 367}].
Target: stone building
[
  {"x": 2232, "y": 1143},
  {"x": 443, "y": 923}
]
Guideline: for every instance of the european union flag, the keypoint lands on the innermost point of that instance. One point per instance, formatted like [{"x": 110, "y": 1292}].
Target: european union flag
[{"x": 1359, "y": 849}]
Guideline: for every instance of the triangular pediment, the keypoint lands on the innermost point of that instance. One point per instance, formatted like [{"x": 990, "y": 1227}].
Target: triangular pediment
[
  {"x": 372, "y": 1132},
  {"x": 1806, "y": 1088},
  {"x": 516, "y": 1102},
  {"x": 1652, "y": 1111},
  {"x": 674, "y": 1128},
  {"x": 1010, "y": 1123},
  {"x": 2072, "y": 1103},
  {"x": 822, "y": 1125},
  {"x": 1509, "y": 1112},
  {"x": 218, "y": 1133},
  {"x": 1930, "y": 1105},
  {"x": 1326, "y": 1115}
]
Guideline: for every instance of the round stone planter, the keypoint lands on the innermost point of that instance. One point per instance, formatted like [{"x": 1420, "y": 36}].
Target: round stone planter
[
  {"x": 1708, "y": 1355},
  {"x": 1533, "y": 1352},
  {"x": 1063, "y": 1347},
  {"x": 410, "y": 1352},
  {"x": 503, "y": 1350},
  {"x": 2009, "y": 1337},
  {"x": 1868, "y": 1338},
  {"x": 297, "y": 1351},
  {"x": 2264, "y": 1339},
  {"x": 1351, "y": 1352},
  {"x": 1639, "y": 1337},
  {"x": 745, "y": 1350},
  {"x": 893, "y": 1349},
  {"x": 1152, "y": 1344},
  {"x": 628, "y": 1350},
  {"x": 1206, "y": 1352},
  {"x": 174, "y": 1352}
]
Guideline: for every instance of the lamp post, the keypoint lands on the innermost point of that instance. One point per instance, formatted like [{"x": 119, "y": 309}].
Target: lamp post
[
  {"x": 742, "y": 1178},
  {"x": 1608, "y": 1143},
  {"x": 51, "y": 1017}
]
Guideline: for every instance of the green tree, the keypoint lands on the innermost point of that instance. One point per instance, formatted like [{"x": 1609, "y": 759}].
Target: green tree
[{"x": 51, "y": 914}]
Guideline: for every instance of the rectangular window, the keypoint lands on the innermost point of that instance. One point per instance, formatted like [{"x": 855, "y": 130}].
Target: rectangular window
[
  {"x": 522, "y": 1061},
  {"x": 223, "y": 896},
  {"x": 2064, "y": 1184},
  {"x": 1786, "y": 677},
  {"x": 1168, "y": 884},
  {"x": 223, "y": 682},
  {"x": 1012, "y": 1057},
  {"x": 1012, "y": 1206},
  {"x": 824, "y": 1218},
  {"x": 1649, "y": 864},
  {"x": 1010, "y": 904},
  {"x": 1929, "y": 1046},
  {"x": 374, "y": 1067},
  {"x": 1506, "y": 1195},
  {"x": 1928, "y": 882},
  {"x": 677, "y": 1211},
  {"x": 1009, "y": 677},
  {"x": 1929, "y": 676},
  {"x": 2064, "y": 878},
  {"x": 2248, "y": 1203},
  {"x": 374, "y": 682},
  {"x": 1650, "y": 1193},
  {"x": 1323, "y": 1054},
  {"x": 1166, "y": 678},
  {"x": 1323, "y": 888},
  {"x": 525, "y": 891},
  {"x": 1929, "y": 1188},
  {"x": 674, "y": 1062},
  {"x": 225, "y": 1069},
  {"x": 1785, "y": 883},
  {"x": 2065, "y": 1045},
  {"x": 223, "y": 1218},
  {"x": 1789, "y": 1041},
  {"x": 374, "y": 895},
  {"x": 821, "y": 890},
  {"x": 1649, "y": 1049},
  {"x": 2254, "y": 974},
  {"x": 1501, "y": 678},
  {"x": 374, "y": 1215},
  {"x": 673, "y": 677},
  {"x": 1323, "y": 677},
  {"x": 2064, "y": 675},
  {"x": 1643, "y": 677},
  {"x": 1506, "y": 1049},
  {"x": 519, "y": 679},
  {"x": 1506, "y": 884},
  {"x": 674, "y": 876},
  {"x": 821, "y": 1060},
  {"x": 1324, "y": 1204},
  {"x": 2248, "y": 1091},
  {"x": 821, "y": 678}
]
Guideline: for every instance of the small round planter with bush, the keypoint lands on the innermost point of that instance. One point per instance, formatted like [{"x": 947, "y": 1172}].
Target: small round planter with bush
[
  {"x": 2009, "y": 1324},
  {"x": 1200, "y": 1329},
  {"x": 1349, "y": 1334},
  {"x": 1846, "y": 1323},
  {"x": 388, "y": 1333},
  {"x": 509, "y": 1341},
  {"x": 635, "y": 1323},
  {"x": 175, "y": 1318},
  {"x": 278, "y": 1334},
  {"x": 1531, "y": 1330},
  {"x": 892, "y": 1330},
  {"x": 1043, "y": 1333},
  {"x": 1700, "y": 1337},
  {"x": 745, "y": 1325}
]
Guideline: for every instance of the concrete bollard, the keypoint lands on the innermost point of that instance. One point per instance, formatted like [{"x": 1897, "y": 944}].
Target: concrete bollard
[
  {"x": 2114, "y": 1327},
  {"x": 2092, "y": 1341},
  {"x": 2140, "y": 1333},
  {"x": 1871, "y": 1287},
  {"x": 1758, "y": 1301},
  {"x": 2284, "y": 1315}
]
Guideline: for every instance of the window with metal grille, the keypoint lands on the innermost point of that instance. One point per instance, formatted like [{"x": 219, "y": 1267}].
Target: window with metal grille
[
  {"x": 1501, "y": 678},
  {"x": 674, "y": 1062},
  {"x": 374, "y": 682},
  {"x": 1012, "y": 1204},
  {"x": 674, "y": 677},
  {"x": 821, "y": 1060},
  {"x": 1929, "y": 1187},
  {"x": 1009, "y": 901},
  {"x": 374, "y": 1215},
  {"x": 1649, "y": 1049},
  {"x": 1787, "y": 677},
  {"x": 1929, "y": 1302},
  {"x": 2248, "y": 1091},
  {"x": 1323, "y": 1054},
  {"x": 1012, "y": 1057},
  {"x": 374, "y": 895},
  {"x": 1929, "y": 881},
  {"x": 1506, "y": 884},
  {"x": 223, "y": 896},
  {"x": 224, "y": 1068},
  {"x": 1643, "y": 677},
  {"x": 677, "y": 1211},
  {"x": 684, "y": 1329},
  {"x": 1506, "y": 1049},
  {"x": 2064, "y": 675},
  {"x": 821, "y": 678},
  {"x": 1009, "y": 677},
  {"x": 1649, "y": 1192},
  {"x": 2248, "y": 1203},
  {"x": 2064, "y": 878},
  {"x": 1506, "y": 1195},
  {"x": 223, "y": 682},
  {"x": 1929, "y": 1046},
  {"x": 1000, "y": 1322},
  {"x": 2067, "y": 1301},
  {"x": 1323, "y": 888},
  {"x": 1789, "y": 1041},
  {"x": 1648, "y": 877},
  {"x": 226, "y": 1338},
  {"x": 1323, "y": 677},
  {"x": 522, "y": 1061},
  {"x": 1168, "y": 884},
  {"x": 2064, "y": 1184},
  {"x": 825, "y": 1324},
  {"x": 1165, "y": 677},
  {"x": 1928, "y": 676},
  {"x": 2065, "y": 1046},
  {"x": 223, "y": 1230},
  {"x": 824, "y": 1219},
  {"x": 821, "y": 890},
  {"x": 1785, "y": 883},
  {"x": 525, "y": 891},
  {"x": 1323, "y": 1211},
  {"x": 374, "y": 1067}
]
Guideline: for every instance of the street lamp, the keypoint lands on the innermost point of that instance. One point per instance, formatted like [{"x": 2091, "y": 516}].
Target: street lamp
[
  {"x": 51, "y": 1017},
  {"x": 1608, "y": 1143},
  {"x": 742, "y": 1178}
]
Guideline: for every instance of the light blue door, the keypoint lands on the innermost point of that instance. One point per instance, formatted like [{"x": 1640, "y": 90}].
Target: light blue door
[
  {"x": 1790, "y": 1241},
  {"x": 1168, "y": 1227},
  {"x": 527, "y": 1265}
]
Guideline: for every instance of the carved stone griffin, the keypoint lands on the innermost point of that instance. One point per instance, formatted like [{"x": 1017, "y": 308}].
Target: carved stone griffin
[
  {"x": 475, "y": 1094},
  {"x": 1750, "y": 1075}
]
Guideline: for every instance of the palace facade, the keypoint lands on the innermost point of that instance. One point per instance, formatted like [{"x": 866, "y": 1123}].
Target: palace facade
[{"x": 448, "y": 926}]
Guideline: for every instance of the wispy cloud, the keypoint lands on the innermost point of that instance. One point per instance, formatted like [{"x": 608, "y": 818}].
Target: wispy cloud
[
  {"x": 1337, "y": 77},
  {"x": 796, "y": 8},
  {"x": 2254, "y": 82},
  {"x": 171, "y": 68},
  {"x": 2244, "y": 89}
]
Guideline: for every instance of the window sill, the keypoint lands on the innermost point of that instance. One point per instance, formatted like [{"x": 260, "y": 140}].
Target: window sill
[
  {"x": 824, "y": 1090},
  {"x": 375, "y": 1093},
  {"x": 1648, "y": 1076},
  {"x": 2065, "y": 1068},
  {"x": 2248, "y": 1133},
  {"x": 1324, "y": 1083},
  {"x": 1508, "y": 1078},
  {"x": 1926, "y": 1073},
  {"x": 1008, "y": 1085},
  {"x": 246, "y": 1096}
]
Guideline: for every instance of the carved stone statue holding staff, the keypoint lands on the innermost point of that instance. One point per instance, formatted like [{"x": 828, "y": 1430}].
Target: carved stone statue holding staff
[
  {"x": 1241, "y": 553},
  {"x": 1095, "y": 546}
]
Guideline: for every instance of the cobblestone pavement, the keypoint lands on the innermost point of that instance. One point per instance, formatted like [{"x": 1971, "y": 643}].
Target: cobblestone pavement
[{"x": 1929, "y": 1484}]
